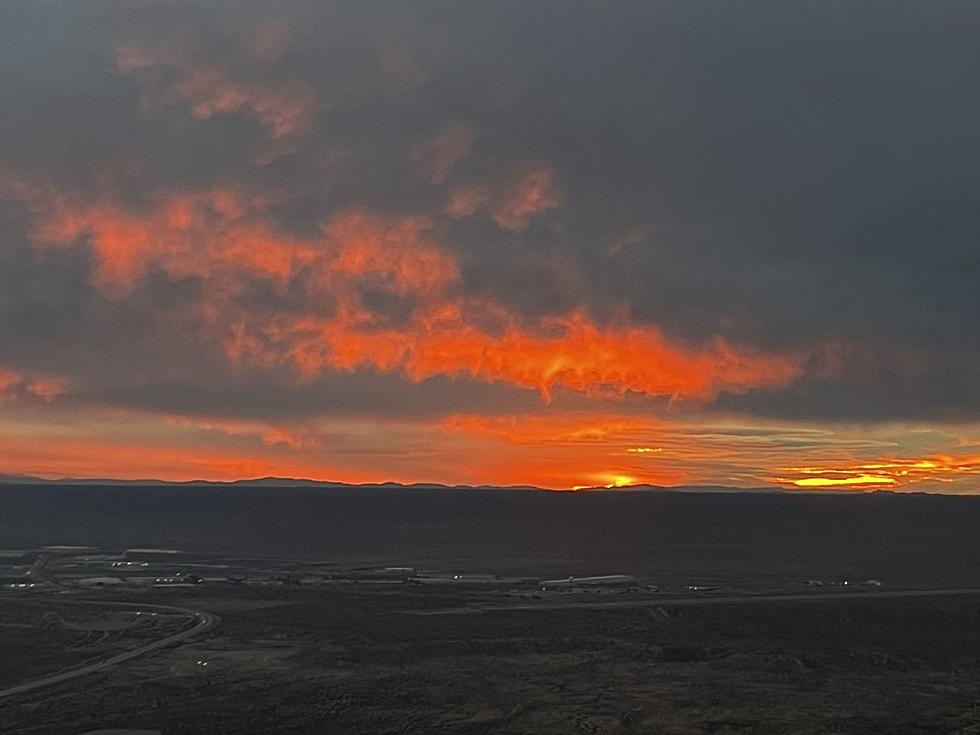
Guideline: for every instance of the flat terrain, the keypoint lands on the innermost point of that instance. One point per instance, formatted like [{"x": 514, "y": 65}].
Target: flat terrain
[
  {"x": 900, "y": 539},
  {"x": 354, "y": 659},
  {"x": 451, "y": 612}
]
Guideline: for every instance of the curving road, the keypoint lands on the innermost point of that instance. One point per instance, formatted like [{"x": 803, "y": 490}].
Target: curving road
[{"x": 204, "y": 622}]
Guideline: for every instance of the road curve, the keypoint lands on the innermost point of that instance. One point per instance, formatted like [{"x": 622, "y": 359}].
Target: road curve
[
  {"x": 696, "y": 601},
  {"x": 204, "y": 622}
]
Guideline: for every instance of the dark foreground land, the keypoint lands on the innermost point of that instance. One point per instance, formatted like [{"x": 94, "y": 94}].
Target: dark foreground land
[
  {"x": 919, "y": 540},
  {"x": 354, "y": 661},
  {"x": 697, "y": 638}
]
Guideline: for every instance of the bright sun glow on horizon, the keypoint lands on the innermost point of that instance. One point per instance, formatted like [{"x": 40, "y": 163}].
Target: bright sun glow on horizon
[{"x": 612, "y": 481}]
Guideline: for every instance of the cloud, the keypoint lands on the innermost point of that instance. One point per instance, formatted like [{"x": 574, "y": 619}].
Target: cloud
[
  {"x": 533, "y": 191},
  {"x": 17, "y": 385},
  {"x": 272, "y": 217},
  {"x": 176, "y": 73},
  {"x": 601, "y": 449},
  {"x": 271, "y": 435},
  {"x": 583, "y": 358},
  {"x": 530, "y": 190},
  {"x": 571, "y": 429},
  {"x": 225, "y": 236},
  {"x": 269, "y": 41},
  {"x": 439, "y": 155},
  {"x": 887, "y": 472},
  {"x": 8, "y": 380},
  {"x": 185, "y": 235}
]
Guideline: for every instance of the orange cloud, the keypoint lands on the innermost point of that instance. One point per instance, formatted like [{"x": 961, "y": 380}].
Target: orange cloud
[
  {"x": 394, "y": 252},
  {"x": 223, "y": 233},
  {"x": 571, "y": 429},
  {"x": 466, "y": 199},
  {"x": 549, "y": 448},
  {"x": 940, "y": 468},
  {"x": 530, "y": 191},
  {"x": 185, "y": 235},
  {"x": 225, "y": 236},
  {"x": 855, "y": 480},
  {"x": 566, "y": 450},
  {"x": 568, "y": 352},
  {"x": 533, "y": 191},
  {"x": 170, "y": 74},
  {"x": 8, "y": 381},
  {"x": 14, "y": 384},
  {"x": 46, "y": 387},
  {"x": 284, "y": 109},
  {"x": 270, "y": 435}
]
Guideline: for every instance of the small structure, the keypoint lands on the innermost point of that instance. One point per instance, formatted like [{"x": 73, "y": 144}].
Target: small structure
[
  {"x": 150, "y": 554},
  {"x": 455, "y": 578},
  {"x": 129, "y": 566},
  {"x": 177, "y": 580},
  {"x": 100, "y": 582},
  {"x": 599, "y": 581}
]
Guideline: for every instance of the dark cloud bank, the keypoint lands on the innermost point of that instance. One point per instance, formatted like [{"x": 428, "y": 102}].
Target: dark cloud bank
[{"x": 790, "y": 177}]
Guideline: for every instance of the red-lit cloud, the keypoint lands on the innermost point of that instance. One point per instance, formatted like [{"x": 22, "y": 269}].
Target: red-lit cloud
[
  {"x": 15, "y": 384},
  {"x": 572, "y": 429},
  {"x": 177, "y": 73},
  {"x": 225, "y": 236},
  {"x": 529, "y": 191},
  {"x": 568, "y": 352},
  {"x": 8, "y": 380},
  {"x": 885, "y": 473}
]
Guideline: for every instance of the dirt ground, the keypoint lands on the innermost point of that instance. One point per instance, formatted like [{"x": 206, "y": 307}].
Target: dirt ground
[{"x": 349, "y": 659}]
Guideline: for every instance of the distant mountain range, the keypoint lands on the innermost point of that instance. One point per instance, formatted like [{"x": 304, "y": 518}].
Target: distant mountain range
[
  {"x": 250, "y": 482},
  {"x": 290, "y": 482}
]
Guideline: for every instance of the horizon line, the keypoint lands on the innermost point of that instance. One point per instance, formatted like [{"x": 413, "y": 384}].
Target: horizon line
[{"x": 272, "y": 480}]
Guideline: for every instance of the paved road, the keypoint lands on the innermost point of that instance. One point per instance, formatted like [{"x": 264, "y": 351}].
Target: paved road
[
  {"x": 691, "y": 601},
  {"x": 204, "y": 622}
]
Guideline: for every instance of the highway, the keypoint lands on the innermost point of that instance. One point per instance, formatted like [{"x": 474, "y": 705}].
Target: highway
[
  {"x": 742, "y": 599},
  {"x": 204, "y": 621}
]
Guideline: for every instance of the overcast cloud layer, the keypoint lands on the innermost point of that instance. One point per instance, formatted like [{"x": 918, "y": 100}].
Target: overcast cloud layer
[{"x": 449, "y": 215}]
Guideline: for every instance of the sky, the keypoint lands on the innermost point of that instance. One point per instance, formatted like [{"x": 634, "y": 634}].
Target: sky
[{"x": 559, "y": 244}]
